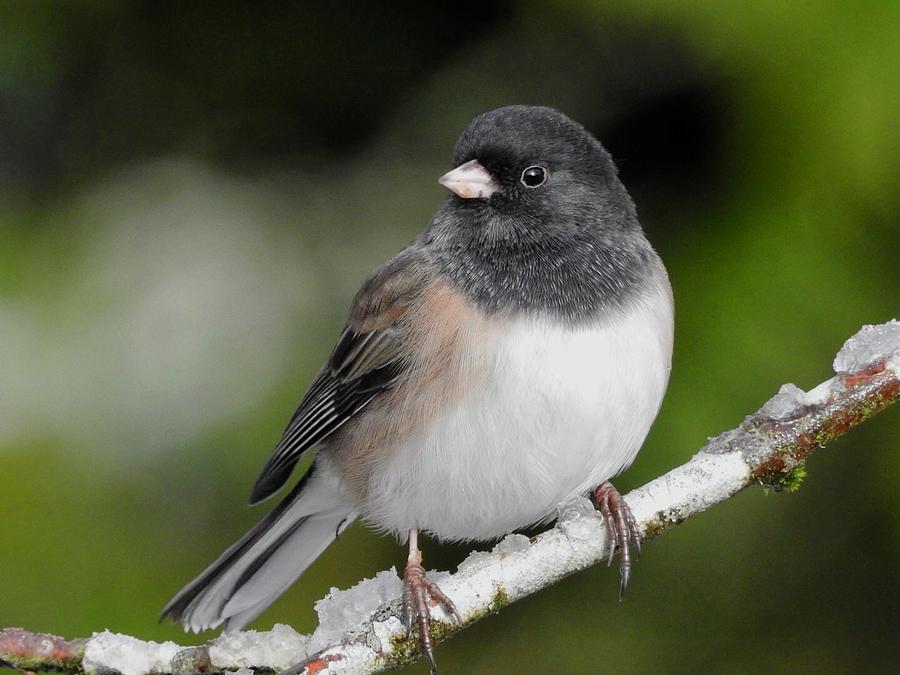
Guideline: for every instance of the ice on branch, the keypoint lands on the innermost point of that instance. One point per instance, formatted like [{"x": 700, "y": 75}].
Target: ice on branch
[
  {"x": 869, "y": 347},
  {"x": 110, "y": 652},
  {"x": 360, "y": 630},
  {"x": 340, "y": 609}
]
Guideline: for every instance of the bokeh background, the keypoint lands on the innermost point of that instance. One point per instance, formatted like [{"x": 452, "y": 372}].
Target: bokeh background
[{"x": 191, "y": 192}]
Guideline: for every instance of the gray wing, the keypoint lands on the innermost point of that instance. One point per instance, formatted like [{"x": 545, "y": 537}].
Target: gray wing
[{"x": 366, "y": 361}]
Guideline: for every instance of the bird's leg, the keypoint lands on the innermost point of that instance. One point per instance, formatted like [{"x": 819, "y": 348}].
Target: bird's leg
[
  {"x": 621, "y": 529},
  {"x": 416, "y": 589}
]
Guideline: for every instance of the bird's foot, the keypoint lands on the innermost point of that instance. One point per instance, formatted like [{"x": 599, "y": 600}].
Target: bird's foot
[
  {"x": 417, "y": 589},
  {"x": 621, "y": 529}
]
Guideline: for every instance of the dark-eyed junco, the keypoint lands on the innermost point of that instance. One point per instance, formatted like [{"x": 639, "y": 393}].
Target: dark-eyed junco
[{"x": 511, "y": 358}]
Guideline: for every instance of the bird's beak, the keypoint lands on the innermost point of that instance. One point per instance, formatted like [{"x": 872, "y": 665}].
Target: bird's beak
[{"x": 470, "y": 181}]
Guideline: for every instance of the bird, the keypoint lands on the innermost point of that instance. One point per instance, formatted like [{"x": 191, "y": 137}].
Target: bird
[{"x": 509, "y": 360}]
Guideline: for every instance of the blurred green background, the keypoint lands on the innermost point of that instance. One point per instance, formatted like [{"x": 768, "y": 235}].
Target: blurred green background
[{"x": 191, "y": 192}]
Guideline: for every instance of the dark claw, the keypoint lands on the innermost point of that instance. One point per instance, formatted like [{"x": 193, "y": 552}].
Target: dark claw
[
  {"x": 624, "y": 572},
  {"x": 416, "y": 589},
  {"x": 436, "y": 593},
  {"x": 408, "y": 605},
  {"x": 621, "y": 529}
]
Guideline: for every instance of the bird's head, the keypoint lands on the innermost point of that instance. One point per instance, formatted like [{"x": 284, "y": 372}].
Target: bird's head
[{"x": 533, "y": 166}]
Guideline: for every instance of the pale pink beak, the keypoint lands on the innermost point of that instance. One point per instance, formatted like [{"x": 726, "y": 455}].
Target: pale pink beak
[{"x": 470, "y": 181}]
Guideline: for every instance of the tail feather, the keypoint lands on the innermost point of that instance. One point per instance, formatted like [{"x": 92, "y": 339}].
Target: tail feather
[{"x": 260, "y": 566}]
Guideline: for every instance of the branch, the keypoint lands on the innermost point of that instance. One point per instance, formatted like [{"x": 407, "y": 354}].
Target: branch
[{"x": 360, "y": 629}]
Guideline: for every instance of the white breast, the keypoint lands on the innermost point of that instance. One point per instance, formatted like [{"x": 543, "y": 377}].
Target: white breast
[{"x": 559, "y": 412}]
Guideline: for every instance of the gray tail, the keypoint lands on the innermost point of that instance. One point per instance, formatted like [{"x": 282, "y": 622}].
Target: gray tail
[{"x": 262, "y": 564}]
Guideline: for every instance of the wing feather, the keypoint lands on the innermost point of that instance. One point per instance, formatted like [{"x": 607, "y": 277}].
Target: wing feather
[{"x": 366, "y": 360}]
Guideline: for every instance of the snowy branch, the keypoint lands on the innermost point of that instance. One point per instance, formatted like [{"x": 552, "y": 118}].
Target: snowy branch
[{"x": 360, "y": 629}]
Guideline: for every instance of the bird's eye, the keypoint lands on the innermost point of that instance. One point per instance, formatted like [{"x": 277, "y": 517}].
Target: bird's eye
[{"x": 534, "y": 176}]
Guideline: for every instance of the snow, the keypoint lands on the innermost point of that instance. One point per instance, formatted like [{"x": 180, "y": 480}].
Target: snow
[
  {"x": 578, "y": 519},
  {"x": 787, "y": 401},
  {"x": 792, "y": 400},
  {"x": 514, "y": 543},
  {"x": 819, "y": 394},
  {"x": 894, "y": 365},
  {"x": 278, "y": 648},
  {"x": 476, "y": 560},
  {"x": 112, "y": 651},
  {"x": 869, "y": 346},
  {"x": 384, "y": 630},
  {"x": 709, "y": 478},
  {"x": 341, "y": 609}
]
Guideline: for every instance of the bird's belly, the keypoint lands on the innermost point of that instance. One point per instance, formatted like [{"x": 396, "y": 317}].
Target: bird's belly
[{"x": 557, "y": 412}]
